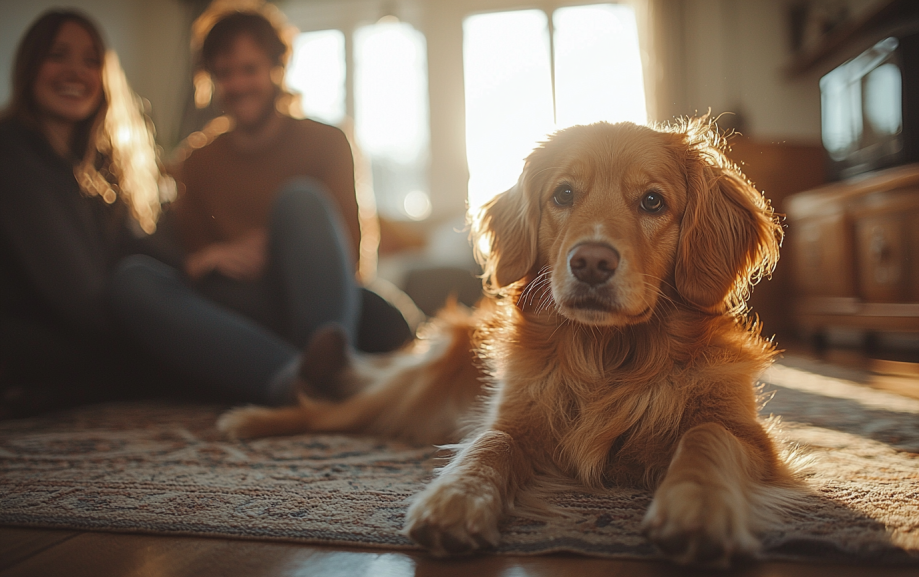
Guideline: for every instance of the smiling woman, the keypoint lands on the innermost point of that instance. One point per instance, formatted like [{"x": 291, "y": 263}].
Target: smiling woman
[
  {"x": 68, "y": 86},
  {"x": 78, "y": 180}
]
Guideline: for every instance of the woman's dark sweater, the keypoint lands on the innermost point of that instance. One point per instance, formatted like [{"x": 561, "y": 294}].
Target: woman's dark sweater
[
  {"x": 58, "y": 248},
  {"x": 57, "y": 245}
]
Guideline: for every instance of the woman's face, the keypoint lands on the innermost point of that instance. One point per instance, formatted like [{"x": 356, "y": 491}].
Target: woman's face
[{"x": 68, "y": 87}]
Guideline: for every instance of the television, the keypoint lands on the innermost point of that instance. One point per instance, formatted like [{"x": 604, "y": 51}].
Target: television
[{"x": 870, "y": 108}]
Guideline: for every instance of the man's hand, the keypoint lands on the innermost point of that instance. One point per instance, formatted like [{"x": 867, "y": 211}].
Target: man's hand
[{"x": 241, "y": 259}]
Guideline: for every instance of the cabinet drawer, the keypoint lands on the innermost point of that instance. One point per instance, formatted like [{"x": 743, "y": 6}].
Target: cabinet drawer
[
  {"x": 883, "y": 258},
  {"x": 822, "y": 254}
]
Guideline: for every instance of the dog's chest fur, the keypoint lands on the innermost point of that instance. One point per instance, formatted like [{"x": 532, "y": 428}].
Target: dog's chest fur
[{"x": 613, "y": 401}]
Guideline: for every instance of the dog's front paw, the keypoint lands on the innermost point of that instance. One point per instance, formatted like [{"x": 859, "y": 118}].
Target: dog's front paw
[
  {"x": 696, "y": 524},
  {"x": 454, "y": 518}
]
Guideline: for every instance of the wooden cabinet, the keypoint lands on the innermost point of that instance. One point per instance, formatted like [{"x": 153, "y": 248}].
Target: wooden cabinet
[
  {"x": 780, "y": 170},
  {"x": 883, "y": 258},
  {"x": 820, "y": 244},
  {"x": 855, "y": 252}
]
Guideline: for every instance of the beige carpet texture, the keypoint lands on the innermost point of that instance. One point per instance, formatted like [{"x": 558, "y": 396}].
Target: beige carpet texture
[{"x": 162, "y": 468}]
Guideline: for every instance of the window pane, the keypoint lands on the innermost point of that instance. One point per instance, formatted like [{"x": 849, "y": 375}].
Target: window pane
[
  {"x": 597, "y": 65},
  {"x": 317, "y": 71},
  {"x": 508, "y": 96},
  {"x": 391, "y": 115}
]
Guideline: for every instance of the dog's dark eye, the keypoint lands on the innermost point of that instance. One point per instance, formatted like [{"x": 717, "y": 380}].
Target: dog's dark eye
[
  {"x": 652, "y": 202},
  {"x": 564, "y": 195}
]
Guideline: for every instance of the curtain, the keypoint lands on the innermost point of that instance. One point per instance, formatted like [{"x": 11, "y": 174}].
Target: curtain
[{"x": 661, "y": 38}]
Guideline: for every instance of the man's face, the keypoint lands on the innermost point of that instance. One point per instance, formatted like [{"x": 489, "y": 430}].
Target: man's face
[{"x": 242, "y": 78}]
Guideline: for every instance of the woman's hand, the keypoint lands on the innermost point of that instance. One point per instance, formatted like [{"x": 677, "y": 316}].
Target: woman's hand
[{"x": 241, "y": 259}]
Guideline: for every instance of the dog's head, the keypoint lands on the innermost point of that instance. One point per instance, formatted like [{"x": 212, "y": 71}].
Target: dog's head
[{"x": 609, "y": 219}]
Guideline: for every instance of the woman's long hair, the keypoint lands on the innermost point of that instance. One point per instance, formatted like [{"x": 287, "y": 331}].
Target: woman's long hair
[{"x": 114, "y": 147}]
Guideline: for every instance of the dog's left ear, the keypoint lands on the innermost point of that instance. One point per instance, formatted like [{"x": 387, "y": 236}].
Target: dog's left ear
[
  {"x": 729, "y": 236},
  {"x": 504, "y": 235}
]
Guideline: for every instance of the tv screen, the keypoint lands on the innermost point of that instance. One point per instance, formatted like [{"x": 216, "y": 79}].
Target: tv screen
[{"x": 862, "y": 110}]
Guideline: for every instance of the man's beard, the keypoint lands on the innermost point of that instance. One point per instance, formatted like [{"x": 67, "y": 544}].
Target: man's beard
[{"x": 264, "y": 114}]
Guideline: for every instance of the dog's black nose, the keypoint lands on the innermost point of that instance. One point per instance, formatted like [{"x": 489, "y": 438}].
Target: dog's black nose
[{"x": 593, "y": 263}]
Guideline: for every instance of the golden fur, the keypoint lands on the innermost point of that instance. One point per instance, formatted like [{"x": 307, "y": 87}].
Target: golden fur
[{"x": 611, "y": 349}]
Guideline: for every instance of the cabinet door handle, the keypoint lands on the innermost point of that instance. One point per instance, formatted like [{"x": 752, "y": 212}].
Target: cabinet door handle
[{"x": 881, "y": 252}]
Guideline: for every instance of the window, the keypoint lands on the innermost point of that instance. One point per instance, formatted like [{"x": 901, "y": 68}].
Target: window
[
  {"x": 317, "y": 72},
  {"x": 597, "y": 65},
  {"x": 507, "y": 70},
  {"x": 390, "y": 105},
  {"x": 391, "y": 115},
  {"x": 527, "y": 74}
]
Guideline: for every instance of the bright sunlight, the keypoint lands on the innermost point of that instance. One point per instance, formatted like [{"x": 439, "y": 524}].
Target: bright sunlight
[{"x": 509, "y": 92}]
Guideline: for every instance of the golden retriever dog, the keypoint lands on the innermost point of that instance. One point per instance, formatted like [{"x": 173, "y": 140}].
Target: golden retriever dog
[{"x": 612, "y": 348}]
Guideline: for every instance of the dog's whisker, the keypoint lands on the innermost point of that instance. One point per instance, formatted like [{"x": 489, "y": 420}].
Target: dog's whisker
[
  {"x": 546, "y": 300},
  {"x": 545, "y": 284},
  {"x": 543, "y": 295},
  {"x": 537, "y": 287},
  {"x": 564, "y": 323},
  {"x": 541, "y": 279}
]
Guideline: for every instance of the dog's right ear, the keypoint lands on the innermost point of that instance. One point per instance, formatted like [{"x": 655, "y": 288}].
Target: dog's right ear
[
  {"x": 504, "y": 235},
  {"x": 729, "y": 235}
]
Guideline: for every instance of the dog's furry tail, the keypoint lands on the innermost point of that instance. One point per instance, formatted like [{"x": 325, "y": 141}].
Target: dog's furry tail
[
  {"x": 252, "y": 421},
  {"x": 420, "y": 394}
]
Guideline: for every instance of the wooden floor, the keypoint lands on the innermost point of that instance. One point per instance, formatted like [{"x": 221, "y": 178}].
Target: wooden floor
[{"x": 37, "y": 552}]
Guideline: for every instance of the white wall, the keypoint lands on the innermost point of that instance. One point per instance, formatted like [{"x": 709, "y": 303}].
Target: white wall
[
  {"x": 735, "y": 53},
  {"x": 150, "y": 37}
]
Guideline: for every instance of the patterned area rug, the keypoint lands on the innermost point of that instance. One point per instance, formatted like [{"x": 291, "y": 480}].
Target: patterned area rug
[{"x": 163, "y": 468}]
